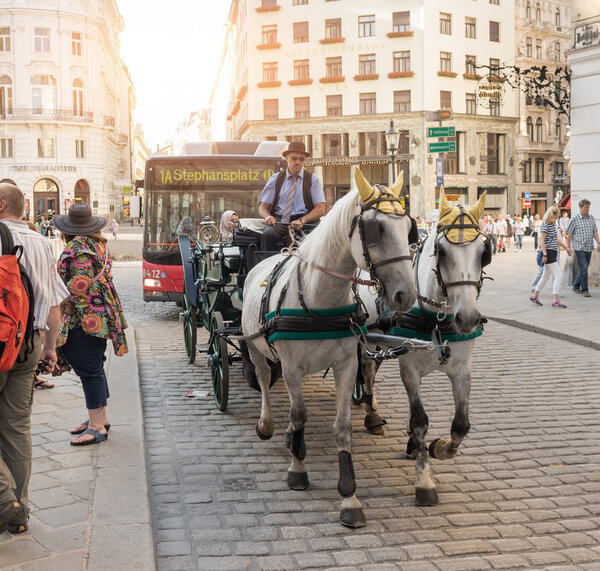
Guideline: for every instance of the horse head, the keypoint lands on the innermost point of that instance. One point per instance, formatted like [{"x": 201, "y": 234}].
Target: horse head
[
  {"x": 461, "y": 251},
  {"x": 381, "y": 244}
]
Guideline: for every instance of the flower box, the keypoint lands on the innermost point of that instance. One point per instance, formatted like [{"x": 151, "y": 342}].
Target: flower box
[
  {"x": 496, "y": 78},
  {"x": 307, "y": 81},
  {"x": 334, "y": 79},
  {"x": 268, "y": 46},
  {"x": 332, "y": 40},
  {"x": 471, "y": 76},
  {"x": 366, "y": 76},
  {"x": 447, "y": 74},
  {"x": 268, "y": 8},
  {"x": 394, "y": 74},
  {"x": 269, "y": 84},
  {"x": 408, "y": 34}
]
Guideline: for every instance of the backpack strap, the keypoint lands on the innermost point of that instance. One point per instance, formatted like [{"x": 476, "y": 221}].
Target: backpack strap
[{"x": 7, "y": 240}]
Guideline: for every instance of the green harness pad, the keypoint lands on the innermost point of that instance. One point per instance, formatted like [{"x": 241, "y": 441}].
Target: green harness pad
[
  {"x": 450, "y": 337},
  {"x": 307, "y": 335}
]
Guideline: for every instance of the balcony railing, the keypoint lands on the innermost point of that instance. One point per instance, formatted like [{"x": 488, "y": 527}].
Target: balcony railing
[{"x": 47, "y": 115}]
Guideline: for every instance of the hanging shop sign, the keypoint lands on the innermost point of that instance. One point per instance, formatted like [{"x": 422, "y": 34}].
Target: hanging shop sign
[{"x": 490, "y": 92}]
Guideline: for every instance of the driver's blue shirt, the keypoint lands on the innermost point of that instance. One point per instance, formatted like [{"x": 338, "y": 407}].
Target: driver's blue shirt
[{"x": 316, "y": 191}]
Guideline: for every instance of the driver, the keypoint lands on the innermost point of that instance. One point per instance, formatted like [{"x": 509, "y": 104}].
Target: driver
[{"x": 287, "y": 198}]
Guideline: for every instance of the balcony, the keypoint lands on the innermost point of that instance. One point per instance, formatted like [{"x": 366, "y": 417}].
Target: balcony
[
  {"x": 60, "y": 115},
  {"x": 336, "y": 40},
  {"x": 109, "y": 121},
  {"x": 271, "y": 46}
]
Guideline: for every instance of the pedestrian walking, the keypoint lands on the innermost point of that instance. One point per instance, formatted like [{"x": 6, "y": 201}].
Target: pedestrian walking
[
  {"x": 114, "y": 228},
  {"x": 519, "y": 233},
  {"x": 509, "y": 230},
  {"x": 501, "y": 225},
  {"x": 563, "y": 224},
  {"x": 92, "y": 315},
  {"x": 492, "y": 233},
  {"x": 549, "y": 242},
  {"x": 537, "y": 224},
  {"x": 581, "y": 233},
  {"x": 16, "y": 384}
]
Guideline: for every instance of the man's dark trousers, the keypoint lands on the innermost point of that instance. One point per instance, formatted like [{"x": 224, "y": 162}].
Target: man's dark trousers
[{"x": 583, "y": 263}]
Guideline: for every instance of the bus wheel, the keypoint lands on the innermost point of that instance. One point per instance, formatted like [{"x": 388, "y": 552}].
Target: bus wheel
[
  {"x": 219, "y": 362},
  {"x": 190, "y": 328}
]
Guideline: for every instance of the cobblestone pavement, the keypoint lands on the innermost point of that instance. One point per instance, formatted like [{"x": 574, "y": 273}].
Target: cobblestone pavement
[{"x": 524, "y": 491}]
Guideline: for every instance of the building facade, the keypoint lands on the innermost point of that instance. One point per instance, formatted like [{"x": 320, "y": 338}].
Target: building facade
[
  {"x": 197, "y": 126},
  {"x": 66, "y": 101},
  {"x": 543, "y": 36},
  {"x": 333, "y": 74}
]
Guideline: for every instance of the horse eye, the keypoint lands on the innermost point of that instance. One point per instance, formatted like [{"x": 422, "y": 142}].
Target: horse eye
[{"x": 441, "y": 252}]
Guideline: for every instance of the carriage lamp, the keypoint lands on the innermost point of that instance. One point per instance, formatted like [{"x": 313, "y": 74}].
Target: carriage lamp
[{"x": 392, "y": 138}]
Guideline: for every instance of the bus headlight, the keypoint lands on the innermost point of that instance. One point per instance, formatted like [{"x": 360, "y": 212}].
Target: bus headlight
[{"x": 150, "y": 282}]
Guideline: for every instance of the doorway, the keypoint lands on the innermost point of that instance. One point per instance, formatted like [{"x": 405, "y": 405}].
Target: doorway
[{"x": 45, "y": 198}]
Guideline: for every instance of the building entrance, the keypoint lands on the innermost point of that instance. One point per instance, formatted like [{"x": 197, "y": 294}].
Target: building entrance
[{"x": 45, "y": 198}]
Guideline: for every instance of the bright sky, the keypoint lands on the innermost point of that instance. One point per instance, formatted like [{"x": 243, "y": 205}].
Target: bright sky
[{"x": 172, "y": 49}]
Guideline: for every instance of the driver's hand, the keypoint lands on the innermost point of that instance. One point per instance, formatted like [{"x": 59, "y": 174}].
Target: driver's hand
[
  {"x": 270, "y": 221},
  {"x": 297, "y": 225}
]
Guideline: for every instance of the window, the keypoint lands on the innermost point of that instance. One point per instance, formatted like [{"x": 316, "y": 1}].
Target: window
[
  {"x": 538, "y": 130},
  {"x": 271, "y": 108},
  {"x": 335, "y": 145},
  {"x": 333, "y": 66},
  {"x": 6, "y": 95},
  {"x": 6, "y": 148},
  {"x": 80, "y": 148},
  {"x": 43, "y": 93},
  {"x": 42, "y": 39},
  {"x": 445, "y": 23},
  {"x": 559, "y": 169},
  {"x": 445, "y": 61},
  {"x": 471, "y": 64},
  {"x": 495, "y": 2},
  {"x": 494, "y": 31},
  {"x": 530, "y": 129},
  {"x": 268, "y": 3},
  {"x": 401, "y": 21},
  {"x": 299, "y": 2},
  {"x": 529, "y": 44},
  {"x": 366, "y": 64},
  {"x": 269, "y": 71},
  {"x": 269, "y": 34},
  {"x": 45, "y": 148},
  {"x": 370, "y": 144},
  {"x": 445, "y": 99},
  {"x": 558, "y": 129},
  {"x": 470, "y": 27},
  {"x": 538, "y": 12},
  {"x": 528, "y": 10},
  {"x": 528, "y": 100},
  {"x": 401, "y": 101},
  {"x": 301, "y": 69},
  {"x": 366, "y": 26},
  {"x": 491, "y": 153},
  {"x": 4, "y": 39},
  {"x": 556, "y": 51},
  {"x": 78, "y": 97},
  {"x": 402, "y": 61},
  {"x": 494, "y": 67},
  {"x": 539, "y": 170},
  {"x": 300, "y": 32},
  {"x": 557, "y": 18},
  {"x": 333, "y": 28},
  {"x": 495, "y": 108},
  {"x": 76, "y": 43},
  {"x": 367, "y": 103},
  {"x": 470, "y": 104},
  {"x": 527, "y": 171},
  {"x": 538, "y": 49},
  {"x": 301, "y": 107},
  {"x": 334, "y": 105}
]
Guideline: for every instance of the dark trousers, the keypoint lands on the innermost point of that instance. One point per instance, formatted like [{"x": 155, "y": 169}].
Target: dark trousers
[
  {"x": 276, "y": 237},
  {"x": 583, "y": 262},
  {"x": 85, "y": 354}
]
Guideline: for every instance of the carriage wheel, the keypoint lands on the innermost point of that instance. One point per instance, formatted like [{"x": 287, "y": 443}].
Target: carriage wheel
[
  {"x": 190, "y": 328},
  {"x": 219, "y": 363}
]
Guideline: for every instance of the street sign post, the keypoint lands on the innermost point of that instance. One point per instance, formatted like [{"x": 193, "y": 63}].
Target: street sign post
[
  {"x": 439, "y": 172},
  {"x": 441, "y": 132},
  {"x": 445, "y": 147}
]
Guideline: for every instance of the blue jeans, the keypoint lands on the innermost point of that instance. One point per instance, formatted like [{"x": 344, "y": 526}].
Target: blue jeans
[
  {"x": 85, "y": 354},
  {"x": 583, "y": 262},
  {"x": 519, "y": 240}
]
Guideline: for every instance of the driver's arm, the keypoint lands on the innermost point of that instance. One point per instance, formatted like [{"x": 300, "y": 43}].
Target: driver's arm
[{"x": 264, "y": 211}]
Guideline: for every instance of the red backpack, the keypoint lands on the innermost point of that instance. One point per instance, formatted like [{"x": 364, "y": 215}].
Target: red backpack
[{"x": 16, "y": 303}]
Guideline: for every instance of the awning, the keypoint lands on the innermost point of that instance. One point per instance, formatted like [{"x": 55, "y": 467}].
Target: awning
[{"x": 566, "y": 202}]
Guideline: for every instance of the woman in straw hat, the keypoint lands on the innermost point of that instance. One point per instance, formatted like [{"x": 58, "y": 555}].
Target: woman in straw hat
[{"x": 92, "y": 315}]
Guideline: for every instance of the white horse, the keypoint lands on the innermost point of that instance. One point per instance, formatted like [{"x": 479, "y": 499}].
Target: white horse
[
  {"x": 448, "y": 274},
  {"x": 368, "y": 229}
]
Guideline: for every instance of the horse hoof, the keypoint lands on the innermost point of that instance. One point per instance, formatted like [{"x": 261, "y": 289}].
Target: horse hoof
[
  {"x": 262, "y": 435},
  {"x": 297, "y": 480},
  {"x": 353, "y": 517},
  {"x": 426, "y": 496},
  {"x": 432, "y": 447},
  {"x": 374, "y": 423}
]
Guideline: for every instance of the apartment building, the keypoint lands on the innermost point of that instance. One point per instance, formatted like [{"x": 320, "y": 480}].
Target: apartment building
[
  {"x": 66, "y": 99},
  {"x": 543, "y": 36},
  {"x": 333, "y": 73}
]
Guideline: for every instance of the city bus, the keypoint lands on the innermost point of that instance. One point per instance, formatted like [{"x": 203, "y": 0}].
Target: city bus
[{"x": 191, "y": 189}]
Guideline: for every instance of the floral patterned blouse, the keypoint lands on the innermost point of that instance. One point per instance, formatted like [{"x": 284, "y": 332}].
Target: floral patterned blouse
[{"x": 93, "y": 303}]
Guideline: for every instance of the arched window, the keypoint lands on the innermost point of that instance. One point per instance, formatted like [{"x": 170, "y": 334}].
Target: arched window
[
  {"x": 528, "y": 10},
  {"x": 557, "y": 17},
  {"x": 78, "y": 97},
  {"x": 538, "y": 130},
  {"x": 45, "y": 198},
  {"x": 538, "y": 12},
  {"x": 530, "y": 128},
  {"x": 558, "y": 130},
  {"x": 6, "y": 95}
]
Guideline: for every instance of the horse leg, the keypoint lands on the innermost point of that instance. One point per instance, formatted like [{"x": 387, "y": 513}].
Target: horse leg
[
  {"x": 351, "y": 513},
  {"x": 425, "y": 489},
  {"x": 266, "y": 424},
  {"x": 461, "y": 388},
  {"x": 367, "y": 369}
]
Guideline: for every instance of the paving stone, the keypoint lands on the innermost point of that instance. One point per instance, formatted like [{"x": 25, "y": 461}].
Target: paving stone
[
  {"x": 313, "y": 560},
  {"x": 173, "y": 548},
  {"x": 60, "y": 562},
  {"x": 462, "y": 564},
  {"x": 507, "y": 561}
]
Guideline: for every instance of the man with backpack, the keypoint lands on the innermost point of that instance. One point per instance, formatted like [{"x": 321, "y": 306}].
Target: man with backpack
[
  {"x": 292, "y": 197},
  {"x": 35, "y": 263}
]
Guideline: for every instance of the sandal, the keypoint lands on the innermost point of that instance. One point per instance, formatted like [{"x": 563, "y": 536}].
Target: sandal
[
  {"x": 98, "y": 437},
  {"x": 85, "y": 424},
  {"x": 40, "y": 383}
]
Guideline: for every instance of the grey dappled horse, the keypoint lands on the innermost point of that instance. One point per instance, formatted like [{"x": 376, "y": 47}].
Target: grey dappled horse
[
  {"x": 447, "y": 269},
  {"x": 366, "y": 228}
]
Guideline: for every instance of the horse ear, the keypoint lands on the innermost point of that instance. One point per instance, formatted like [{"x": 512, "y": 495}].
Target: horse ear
[
  {"x": 364, "y": 188},
  {"x": 477, "y": 209},
  {"x": 445, "y": 206},
  {"x": 396, "y": 188}
]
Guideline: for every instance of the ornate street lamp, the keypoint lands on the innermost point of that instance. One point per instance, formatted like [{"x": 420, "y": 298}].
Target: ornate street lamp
[{"x": 392, "y": 138}]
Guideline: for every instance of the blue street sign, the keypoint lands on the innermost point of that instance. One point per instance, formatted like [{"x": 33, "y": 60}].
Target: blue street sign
[
  {"x": 527, "y": 196},
  {"x": 439, "y": 172}
]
